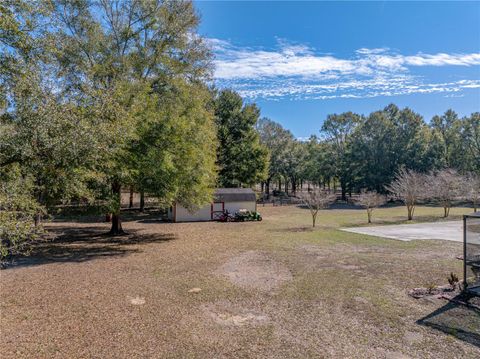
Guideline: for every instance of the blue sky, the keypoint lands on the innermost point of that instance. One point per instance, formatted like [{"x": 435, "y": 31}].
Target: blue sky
[{"x": 300, "y": 61}]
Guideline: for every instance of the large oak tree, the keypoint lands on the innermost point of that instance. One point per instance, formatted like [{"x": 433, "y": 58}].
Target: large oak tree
[{"x": 124, "y": 80}]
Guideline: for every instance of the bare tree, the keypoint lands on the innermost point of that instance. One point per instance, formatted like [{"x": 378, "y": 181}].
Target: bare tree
[
  {"x": 316, "y": 200},
  {"x": 370, "y": 201},
  {"x": 471, "y": 189},
  {"x": 444, "y": 186},
  {"x": 409, "y": 187}
]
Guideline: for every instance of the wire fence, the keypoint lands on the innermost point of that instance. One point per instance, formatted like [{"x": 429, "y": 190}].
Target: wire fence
[{"x": 472, "y": 252}]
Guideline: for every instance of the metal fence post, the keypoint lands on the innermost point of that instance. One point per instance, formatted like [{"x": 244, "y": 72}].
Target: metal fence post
[{"x": 464, "y": 252}]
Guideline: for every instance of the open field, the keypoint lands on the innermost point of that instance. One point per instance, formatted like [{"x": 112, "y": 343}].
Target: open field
[{"x": 270, "y": 289}]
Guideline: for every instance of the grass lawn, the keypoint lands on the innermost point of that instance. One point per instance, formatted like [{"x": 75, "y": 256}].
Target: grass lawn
[{"x": 270, "y": 289}]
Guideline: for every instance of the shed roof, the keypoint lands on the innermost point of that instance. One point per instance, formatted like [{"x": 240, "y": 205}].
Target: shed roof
[{"x": 234, "y": 195}]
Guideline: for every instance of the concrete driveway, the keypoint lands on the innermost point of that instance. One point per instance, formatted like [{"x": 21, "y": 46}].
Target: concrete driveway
[{"x": 449, "y": 231}]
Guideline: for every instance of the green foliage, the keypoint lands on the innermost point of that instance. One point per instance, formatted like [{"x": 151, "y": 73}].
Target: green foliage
[
  {"x": 294, "y": 162},
  {"x": 459, "y": 140},
  {"x": 107, "y": 94},
  {"x": 338, "y": 131},
  {"x": 470, "y": 144},
  {"x": 143, "y": 69},
  {"x": 20, "y": 22},
  {"x": 53, "y": 142},
  {"x": 366, "y": 152},
  {"x": 17, "y": 211},
  {"x": 387, "y": 140},
  {"x": 277, "y": 140},
  {"x": 242, "y": 159},
  {"x": 319, "y": 165},
  {"x": 174, "y": 155}
]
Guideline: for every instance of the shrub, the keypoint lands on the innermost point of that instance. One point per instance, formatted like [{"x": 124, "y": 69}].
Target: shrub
[
  {"x": 315, "y": 201},
  {"x": 444, "y": 186},
  {"x": 453, "y": 280},
  {"x": 409, "y": 187},
  {"x": 370, "y": 201},
  {"x": 17, "y": 212}
]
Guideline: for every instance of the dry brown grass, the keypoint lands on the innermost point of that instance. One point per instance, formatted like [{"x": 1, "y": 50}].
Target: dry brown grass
[{"x": 235, "y": 290}]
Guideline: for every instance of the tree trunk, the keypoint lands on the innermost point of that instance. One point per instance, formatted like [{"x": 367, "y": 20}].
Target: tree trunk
[
  {"x": 37, "y": 219},
  {"x": 116, "y": 228},
  {"x": 142, "y": 201},
  {"x": 267, "y": 188},
  {"x": 369, "y": 214},
  {"x": 130, "y": 199},
  {"x": 279, "y": 184},
  {"x": 314, "y": 219},
  {"x": 410, "y": 212},
  {"x": 116, "y": 225},
  {"x": 446, "y": 211},
  {"x": 344, "y": 192}
]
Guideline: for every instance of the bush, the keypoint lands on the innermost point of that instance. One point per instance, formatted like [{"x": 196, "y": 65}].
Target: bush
[
  {"x": 17, "y": 212},
  {"x": 370, "y": 201},
  {"x": 453, "y": 280}
]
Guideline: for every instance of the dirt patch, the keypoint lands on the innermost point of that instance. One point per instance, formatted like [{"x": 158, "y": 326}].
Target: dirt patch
[
  {"x": 226, "y": 314},
  {"x": 321, "y": 258},
  {"x": 413, "y": 337},
  {"x": 137, "y": 301},
  {"x": 255, "y": 270}
]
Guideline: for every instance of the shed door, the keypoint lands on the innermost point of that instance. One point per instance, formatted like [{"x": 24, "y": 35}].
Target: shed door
[{"x": 217, "y": 207}]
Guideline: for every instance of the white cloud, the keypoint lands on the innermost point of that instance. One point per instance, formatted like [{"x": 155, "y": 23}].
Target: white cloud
[
  {"x": 298, "y": 71},
  {"x": 365, "y": 51}
]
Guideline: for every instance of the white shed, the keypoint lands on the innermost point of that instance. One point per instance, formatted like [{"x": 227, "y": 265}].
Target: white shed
[{"x": 225, "y": 199}]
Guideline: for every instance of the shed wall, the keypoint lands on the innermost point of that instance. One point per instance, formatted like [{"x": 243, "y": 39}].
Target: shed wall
[{"x": 203, "y": 214}]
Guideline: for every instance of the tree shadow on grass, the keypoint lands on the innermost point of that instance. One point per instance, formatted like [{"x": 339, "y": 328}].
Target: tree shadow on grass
[
  {"x": 455, "y": 319},
  {"x": 83, "y": 244},
  {"x": 127, "y": 215}
]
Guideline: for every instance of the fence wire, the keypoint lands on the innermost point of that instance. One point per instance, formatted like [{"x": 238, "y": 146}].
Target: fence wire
[{"x": 472, "y": 251}]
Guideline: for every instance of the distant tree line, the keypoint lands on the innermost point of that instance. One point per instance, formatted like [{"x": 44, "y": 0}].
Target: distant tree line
[
  {"x": 442, "y": 187},
  {"x": 354, "y": 152}
]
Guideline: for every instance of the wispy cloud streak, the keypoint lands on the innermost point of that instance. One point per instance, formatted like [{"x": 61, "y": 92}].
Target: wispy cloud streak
[{"x": 299, "y": 72}]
